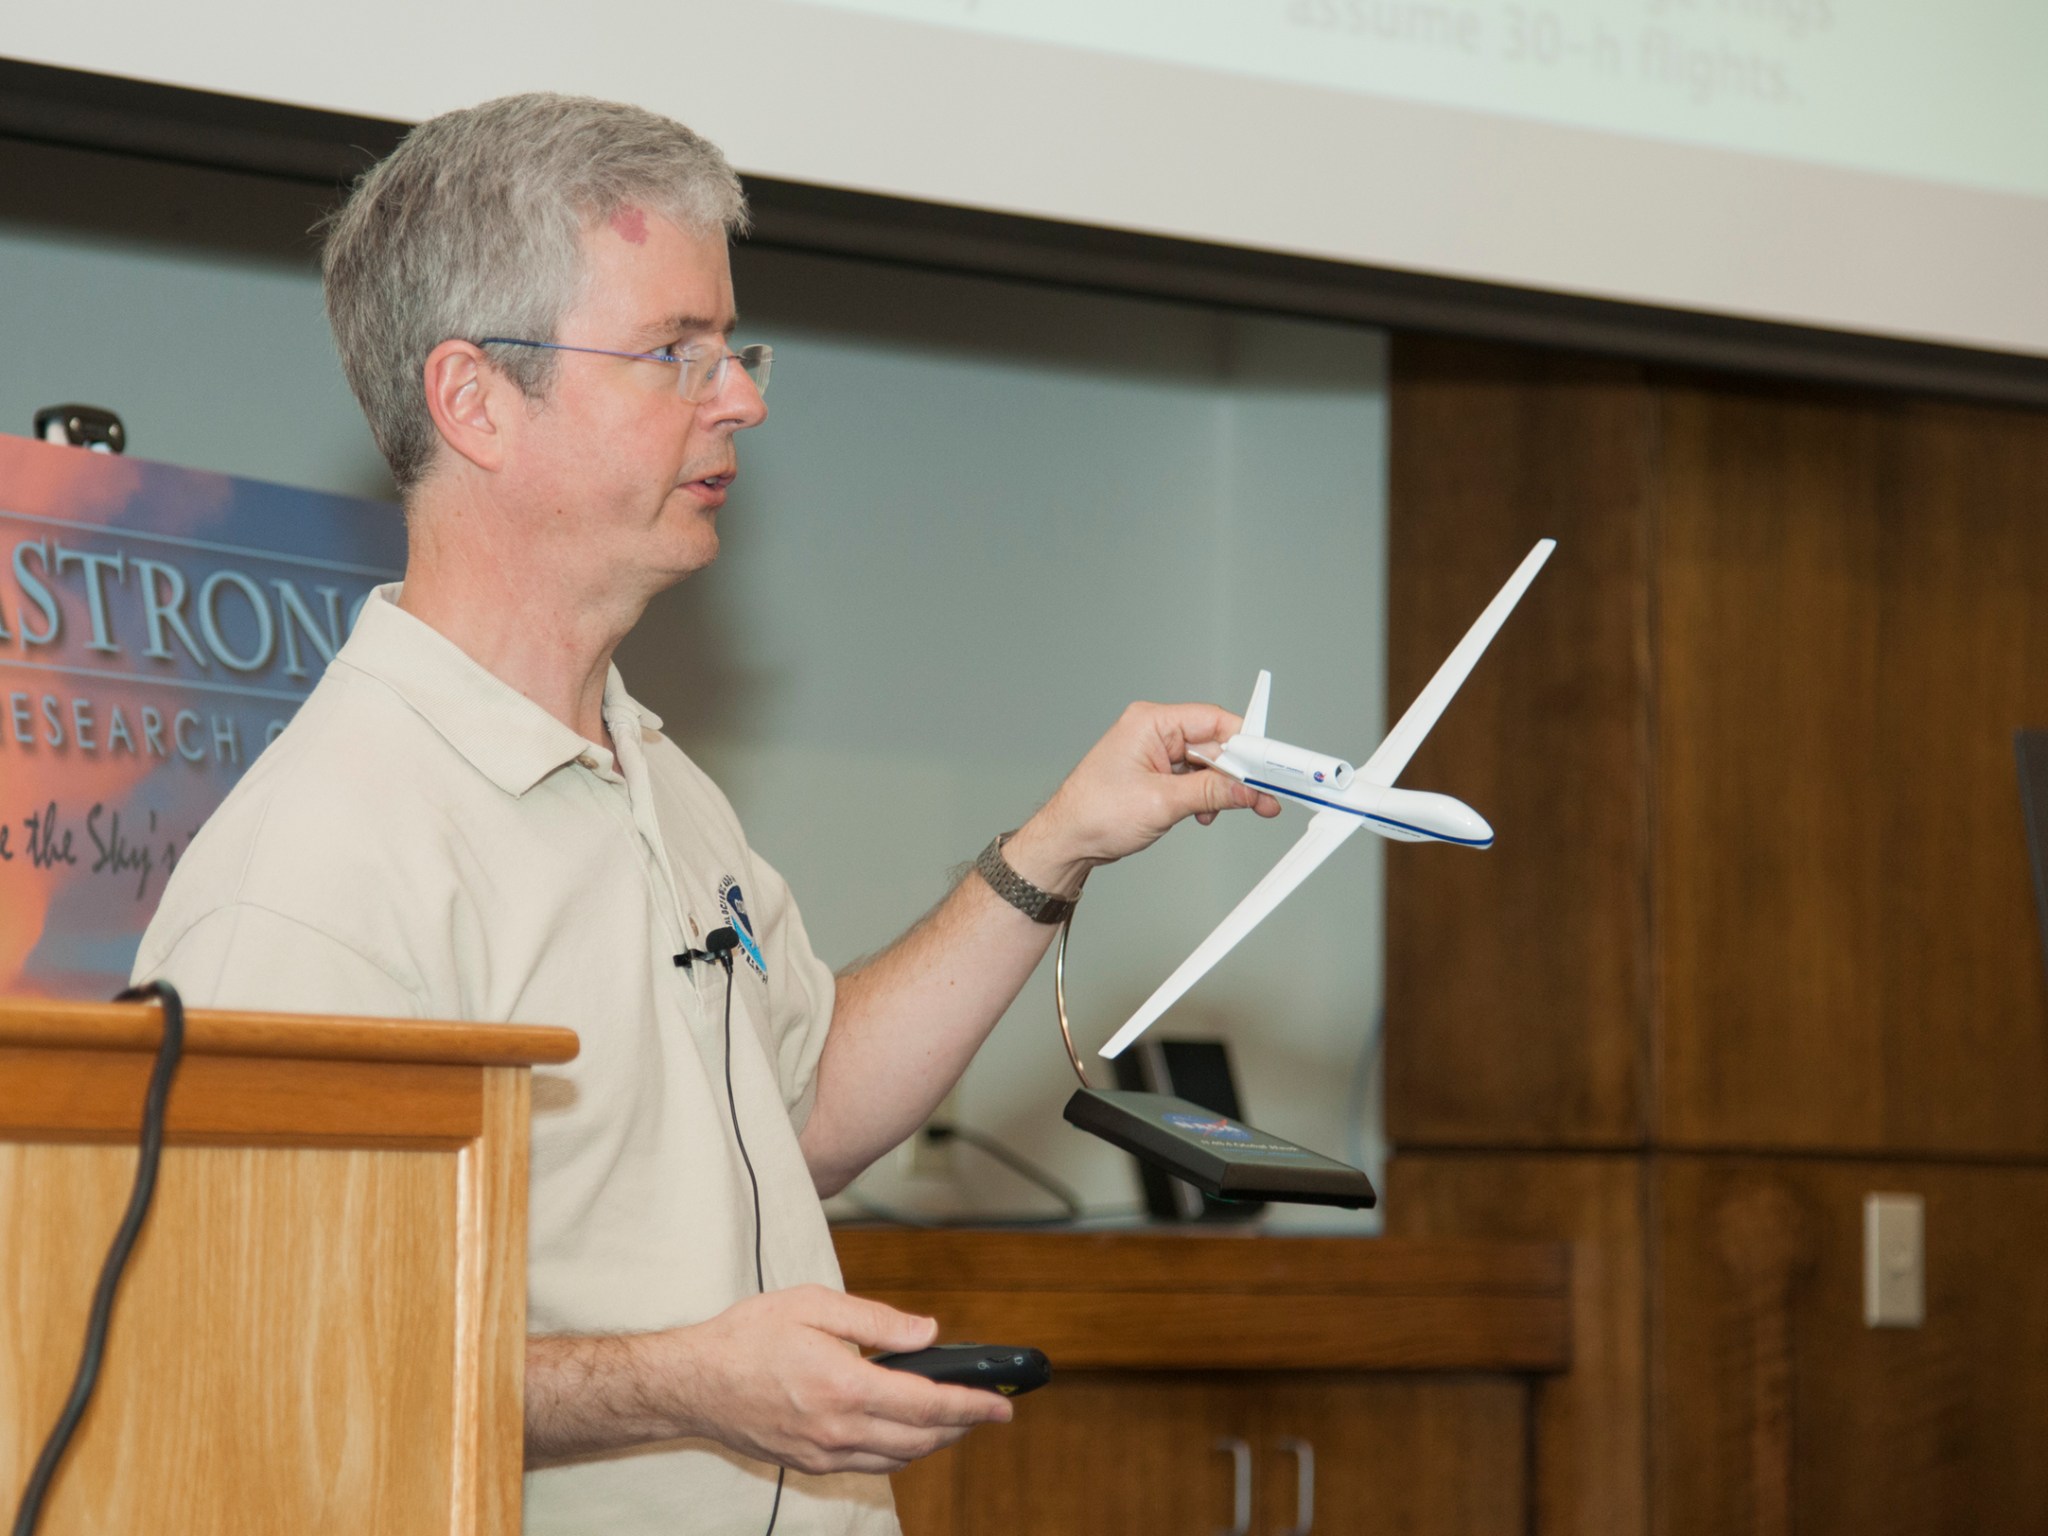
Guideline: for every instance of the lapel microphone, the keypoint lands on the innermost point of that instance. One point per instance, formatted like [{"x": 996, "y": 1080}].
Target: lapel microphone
[{"x": 719, "y": 944}]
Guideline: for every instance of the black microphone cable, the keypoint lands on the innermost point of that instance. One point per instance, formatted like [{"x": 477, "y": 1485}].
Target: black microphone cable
[
  {"x": 30, "y": 1512},
  {"x": 719, "y": 944}
]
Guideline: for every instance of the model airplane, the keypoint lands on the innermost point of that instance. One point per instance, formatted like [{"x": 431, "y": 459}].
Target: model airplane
[{"x": 1343, "y": 799}]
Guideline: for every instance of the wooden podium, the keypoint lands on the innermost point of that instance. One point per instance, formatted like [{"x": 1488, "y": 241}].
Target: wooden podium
[{"x": 323, "y": 1326}]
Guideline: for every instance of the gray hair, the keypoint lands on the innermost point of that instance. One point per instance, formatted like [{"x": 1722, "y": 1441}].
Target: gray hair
[{"x": 474, "y": 227}]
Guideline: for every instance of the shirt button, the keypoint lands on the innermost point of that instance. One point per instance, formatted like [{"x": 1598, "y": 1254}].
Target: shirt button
[{"x": 588, "y": 761}]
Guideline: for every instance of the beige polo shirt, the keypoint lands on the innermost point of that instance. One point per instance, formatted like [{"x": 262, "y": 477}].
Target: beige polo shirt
[{"x": 424, "y": 841}]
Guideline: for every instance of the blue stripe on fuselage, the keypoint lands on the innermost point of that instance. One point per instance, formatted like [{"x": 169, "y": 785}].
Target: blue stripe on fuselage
[{"x": 1352, "y": 810}]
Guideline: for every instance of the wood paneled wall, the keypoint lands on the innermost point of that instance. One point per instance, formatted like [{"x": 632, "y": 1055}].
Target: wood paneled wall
[
  {"x": 1528, "y": 966},
  {"x": 1775, "y": 1410},
  {"x": 1591, "y": 1453},
  {"x": 1757, "y": 937},
  {"x": 1852, "y": 621}
]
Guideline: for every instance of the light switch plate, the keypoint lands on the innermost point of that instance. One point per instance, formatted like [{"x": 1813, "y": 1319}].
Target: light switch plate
[{"x": 1894, "y": 1261}]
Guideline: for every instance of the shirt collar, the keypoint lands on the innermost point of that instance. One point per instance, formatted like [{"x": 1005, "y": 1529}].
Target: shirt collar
[{"x": 504, "y": 735}]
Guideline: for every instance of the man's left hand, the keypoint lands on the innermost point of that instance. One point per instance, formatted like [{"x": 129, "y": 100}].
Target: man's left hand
[{"x": 1132, "y": 786}]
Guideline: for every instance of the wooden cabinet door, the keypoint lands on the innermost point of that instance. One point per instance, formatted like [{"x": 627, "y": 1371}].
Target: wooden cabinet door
[
  {"x": 1146, "y": 1454},
  {"x": 1344, "y": 1455},
  {"x": 1098, "y": 1454}
]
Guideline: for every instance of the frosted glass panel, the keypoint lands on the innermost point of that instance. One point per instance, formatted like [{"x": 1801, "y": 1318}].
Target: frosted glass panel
[{"x": 186, "y": 301}]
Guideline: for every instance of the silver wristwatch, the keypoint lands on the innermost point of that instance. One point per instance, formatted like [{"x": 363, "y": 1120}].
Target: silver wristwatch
[{"x": 1040, "y": 906}]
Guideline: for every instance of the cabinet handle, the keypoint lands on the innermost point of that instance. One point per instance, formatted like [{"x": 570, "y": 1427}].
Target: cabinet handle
[
  {"x": 1241, "y": 1485},
  {"x": 1304, "y": 1485}
]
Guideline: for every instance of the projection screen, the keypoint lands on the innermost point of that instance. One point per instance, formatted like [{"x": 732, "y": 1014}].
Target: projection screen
[{"x": 1869, "y": 166}]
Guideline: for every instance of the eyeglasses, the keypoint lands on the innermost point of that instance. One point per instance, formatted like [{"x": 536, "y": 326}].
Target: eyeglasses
[{"x": 702, "y": 368}]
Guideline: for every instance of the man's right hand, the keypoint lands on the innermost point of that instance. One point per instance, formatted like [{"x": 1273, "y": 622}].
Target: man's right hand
[{"x": 772, "y": 1376}]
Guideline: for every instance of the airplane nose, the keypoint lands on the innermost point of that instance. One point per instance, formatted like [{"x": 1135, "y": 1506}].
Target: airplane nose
[
  {"x": 1460, "y": 823},
  {"x": 1466, "y": 824}
]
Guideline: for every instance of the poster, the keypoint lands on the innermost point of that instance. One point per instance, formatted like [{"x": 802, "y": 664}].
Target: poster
[{"x": 158, "y": 628}]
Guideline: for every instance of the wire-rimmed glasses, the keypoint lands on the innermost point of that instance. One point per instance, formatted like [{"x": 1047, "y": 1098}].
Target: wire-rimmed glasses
[{"x": 702, "y": 365}]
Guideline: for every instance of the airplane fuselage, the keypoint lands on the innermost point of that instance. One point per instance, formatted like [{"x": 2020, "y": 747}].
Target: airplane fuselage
[
  {"x": 1311, "y": 772},
  {"x": 1405, "y": 815}
]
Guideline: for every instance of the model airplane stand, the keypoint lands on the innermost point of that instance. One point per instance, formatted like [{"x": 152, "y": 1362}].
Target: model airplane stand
[{"x": 1223, "y": 1158}]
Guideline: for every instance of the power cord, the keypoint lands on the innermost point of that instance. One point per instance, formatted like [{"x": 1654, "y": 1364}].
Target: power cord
[
  {"x": 1072, "y": 1213},
  {"x": 30, "y": 1512},
  {"x": 1023, "y": 1167}
]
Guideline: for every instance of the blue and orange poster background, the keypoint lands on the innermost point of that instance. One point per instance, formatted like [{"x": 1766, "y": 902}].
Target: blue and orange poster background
[{"x": 158, "y": 627}]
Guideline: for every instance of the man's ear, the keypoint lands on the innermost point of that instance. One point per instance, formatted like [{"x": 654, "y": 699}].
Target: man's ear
[{"x": 469, "y": 401}]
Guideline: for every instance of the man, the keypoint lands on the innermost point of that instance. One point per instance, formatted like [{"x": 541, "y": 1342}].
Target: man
[{"x": 471, "y": 818}]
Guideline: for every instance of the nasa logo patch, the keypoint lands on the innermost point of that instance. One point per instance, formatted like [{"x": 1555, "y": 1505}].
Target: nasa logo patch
[
  {"x": 732, "y": 906},
  {"x": 1210, "y": 1128}
]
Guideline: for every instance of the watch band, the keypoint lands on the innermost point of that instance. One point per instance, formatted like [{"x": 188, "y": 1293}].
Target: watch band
[{"x": 1040, "y": 906}]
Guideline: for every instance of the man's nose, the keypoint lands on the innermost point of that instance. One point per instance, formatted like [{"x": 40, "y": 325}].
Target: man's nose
[{"x": 739, "y": 403}]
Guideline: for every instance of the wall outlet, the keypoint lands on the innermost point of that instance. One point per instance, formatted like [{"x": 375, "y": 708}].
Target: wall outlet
[
  {"x": 1894, "y": 1261},
  {"x": 929, "y": 1159}
]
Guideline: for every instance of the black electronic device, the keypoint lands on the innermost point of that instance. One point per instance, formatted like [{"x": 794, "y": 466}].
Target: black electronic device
[
  {"x": 82, "y": 426},
  {"x": 1218, "y": 1155},
  {"x": 1198, "y": 1071},
  {"x": 1010, "y": 1369},
  {"x": 2031, "y": 748}
]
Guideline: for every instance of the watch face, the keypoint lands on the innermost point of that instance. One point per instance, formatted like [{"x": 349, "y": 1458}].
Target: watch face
[{"x": 1049, "y": 908}]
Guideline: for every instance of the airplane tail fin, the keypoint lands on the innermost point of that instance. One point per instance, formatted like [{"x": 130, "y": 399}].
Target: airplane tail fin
[{"x": 1255, "y": 712}]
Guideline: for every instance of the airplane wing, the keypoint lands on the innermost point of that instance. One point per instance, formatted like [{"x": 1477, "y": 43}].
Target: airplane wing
[
  {"x": 1385, "y": 765},
  {"x": 1326, "y": 831}
]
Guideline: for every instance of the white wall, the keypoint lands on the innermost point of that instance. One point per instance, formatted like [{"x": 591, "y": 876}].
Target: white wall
[{"x": 1859, "y": 165}]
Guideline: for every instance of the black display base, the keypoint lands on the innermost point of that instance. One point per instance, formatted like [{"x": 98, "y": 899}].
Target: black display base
[{"x": 1221, "y": 1157}]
